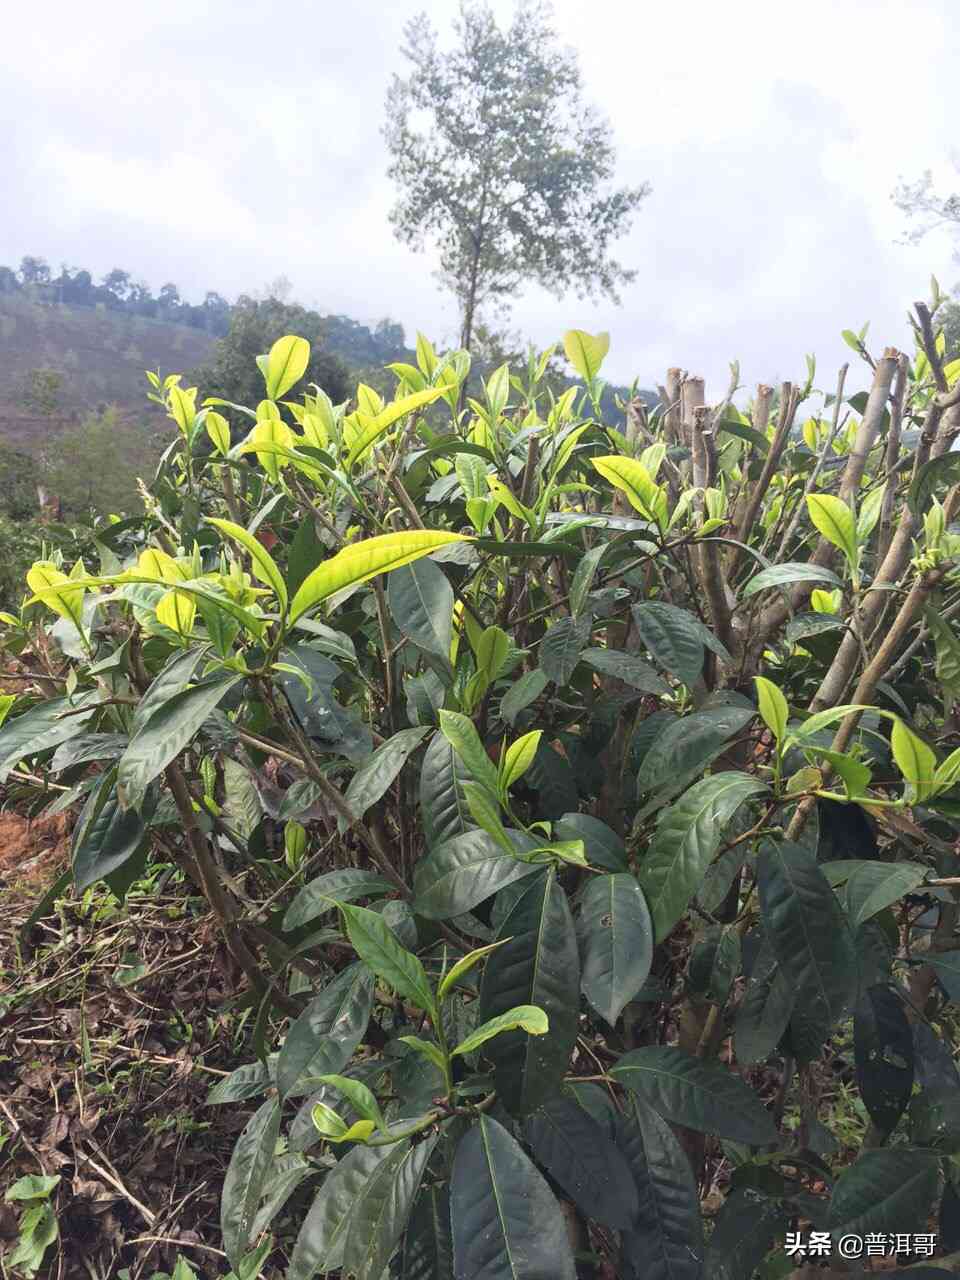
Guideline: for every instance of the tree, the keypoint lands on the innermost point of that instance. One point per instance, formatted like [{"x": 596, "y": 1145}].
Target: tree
[
  {"x": 76, "y": 473},
  {"x": 40, "y": 391},
  {"x": 232, "y": 372},
  {"x": 34, "y": 270},
  {"x": 926, "y": 207},
  {"x": 169, "y": 296},
  {"x": 511, "y": 178},
  {"x": 117, "y": 282}
]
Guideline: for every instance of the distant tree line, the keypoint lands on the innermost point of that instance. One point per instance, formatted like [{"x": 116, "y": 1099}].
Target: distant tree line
[{"x": 118, "y": 291}]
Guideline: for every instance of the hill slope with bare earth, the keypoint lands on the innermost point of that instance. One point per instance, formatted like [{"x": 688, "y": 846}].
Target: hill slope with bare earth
[{"x": 101, "y": 356}]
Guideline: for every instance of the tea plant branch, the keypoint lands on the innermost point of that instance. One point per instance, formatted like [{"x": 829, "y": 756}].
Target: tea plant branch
[
  {"x": 885, "y": 528},
  {"x": 825, "y": 449},
  {"x": 215, "y": 892},
  {"x": 789, "y": 400},
  {"x": 866, "y": 686},
  {"x": 935, "y": 441}
]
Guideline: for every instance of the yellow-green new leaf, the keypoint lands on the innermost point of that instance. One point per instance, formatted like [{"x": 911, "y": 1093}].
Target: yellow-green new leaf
[
  {"x": 177, "y": 611},
  {"x": 375, "y": 427},
  {"x": 633, "y": 479},
  {"x": 218, "y": 429},
  {"x": 428, "y": 1050},
  {"x": 834, "y": 519},
  {"x": 277, "y": 436},
  {"x": 915, "y": 760},
  {"x": 183, "y": 407},
  {"x": 43, "y": 579},
  {"x": 358, "y": 1095},
  {"x": 946, "y": 775},
  {"x": 286, "y": 364},
  {"x": 464, "y": 965},
  {"x": 586, "y": 351},
  {"x": 519, "y": 758},
  {"x": 332, "y": 1127},
  {"x": 364, "y": 560},
  {"x": 524, "y": 1017},
  {"x": 503, "y": 495},
  {"x": 262, "y": 562},
  {"x": 774, "y": 710}
]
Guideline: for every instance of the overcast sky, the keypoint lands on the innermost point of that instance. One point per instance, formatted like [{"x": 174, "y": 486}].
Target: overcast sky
[{"x": 221, "y": 144}]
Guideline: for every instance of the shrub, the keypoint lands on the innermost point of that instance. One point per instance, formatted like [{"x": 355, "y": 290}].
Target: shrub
[{"x": 632, "y": 744}]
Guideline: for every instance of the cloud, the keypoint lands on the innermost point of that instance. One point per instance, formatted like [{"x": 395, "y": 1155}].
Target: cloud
[{"x": 223, "y": 144}]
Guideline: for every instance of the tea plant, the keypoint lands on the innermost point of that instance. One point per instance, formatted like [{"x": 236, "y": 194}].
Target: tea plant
[{"x": 636, "y": 747}]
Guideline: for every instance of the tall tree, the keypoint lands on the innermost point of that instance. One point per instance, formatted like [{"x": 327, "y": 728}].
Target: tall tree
[
  {"x": 254, "y": 327},
  {"x": 511, "y": 175},
  {"x": 927, "y": 208}
]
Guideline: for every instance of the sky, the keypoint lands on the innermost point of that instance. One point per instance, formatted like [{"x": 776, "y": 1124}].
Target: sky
[{"x": 222, "y": 144}]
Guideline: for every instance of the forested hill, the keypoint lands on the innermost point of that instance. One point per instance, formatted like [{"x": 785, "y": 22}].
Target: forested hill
[{"x": 90, "y": 343}]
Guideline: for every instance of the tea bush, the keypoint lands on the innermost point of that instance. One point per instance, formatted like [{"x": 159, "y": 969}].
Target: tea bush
[{"x": 610, "y": 776}]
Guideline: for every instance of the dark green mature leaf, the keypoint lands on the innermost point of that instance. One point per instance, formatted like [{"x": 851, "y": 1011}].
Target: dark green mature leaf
[
  {"x": 946, "y": 965},
  {"x": 332, "y": 1023},
  {"x": 688, "y": 834},
  {"x": 173, "y": 677},
  {"x": 443, "y": 809},
  {"x": 320, "y": 1244},
  {"x": 314, "y": 899},
  {"x": 617, "y": 939},
  {"x": 699, "y": 1095},
  {"x": 890, "y": 1189},
  {"x": 243, "y": 1184},
  {"x": 666, "y": 1243},
  {"x": 948, "y": 1219},
  {"x": 561, "y": 647},
  {"x": 378, "y": 771},
  {"x": 377, "y": 946},
  {"x": 939, "y": 473},
  {"x": 714, "y": 963},
  {"x": 764, "y": 1010},
  {"x": 743, "y": 1234},
  {"x": 464, "y": 871},
  {"x": 673, "y": 637},
  {"x": 170, "y": 729},
  {"x": 935, "y": 1119},
  {"x": 285, "y": 1174},
  {"x": 583, "y": 577},
  {"x": 421, "y": 604},
  {"x": 551, "y": 776},
  {"x": 245, "y": 1082},
  {"x": 626, "y": 667},
  {"x": 106, "y": 837},
  {"x": 520, "y": 694},
  {"x": 809, "y": 936},
  {"x": 337, "y": 729},
  {"x": 242, "y": 807},
  {"x": 539, "y": 965},
  {"x": 43, "y": 726},
  {"x": 883, "y": 1048},
  {"x": 428, "y": 1242},
  {"x": 602, "y": 846},
  {"x": 381, "y": 1212},
  {"x": 875, "y": 885},
  {"x": 507, "y": 1224},
  {"x": 88, "y": 747},
  {"x": 577, "y": 1153},
  {"x": 306, "y": 552},
  {"x": 688, "y": 744},
  {"x": 933, "y": 1062},
  {"x": 782, "y": 575}
]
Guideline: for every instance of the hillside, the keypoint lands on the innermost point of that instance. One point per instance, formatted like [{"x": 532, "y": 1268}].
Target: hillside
[{"x": 100, "y": 354}]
